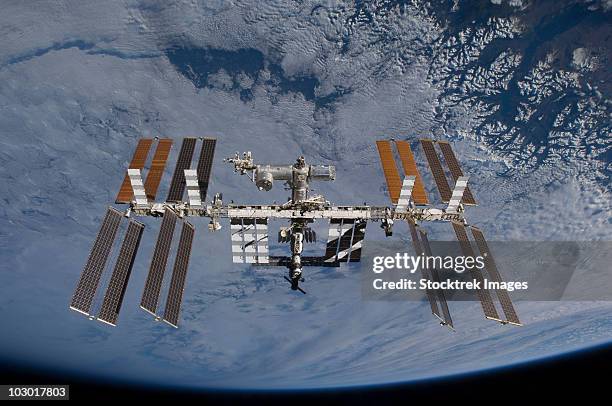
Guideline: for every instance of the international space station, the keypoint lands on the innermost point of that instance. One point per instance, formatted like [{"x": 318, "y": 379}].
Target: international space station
[{"x": 248, "y": 231}]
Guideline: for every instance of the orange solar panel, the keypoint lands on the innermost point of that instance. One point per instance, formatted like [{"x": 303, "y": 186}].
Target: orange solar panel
[
  {"x": 410, "y": 169},
  {"x": 390, "y": 169},
  {"x": 455, "y": 169},
  {"x": 126, "y": 194},
  {"x": 157, "y": 167}
]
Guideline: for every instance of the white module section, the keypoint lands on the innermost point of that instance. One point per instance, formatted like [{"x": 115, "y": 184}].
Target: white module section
[
  {"x": 138, "y": 187},
  {"x": 193, "y": 189},
  {"x": 405, "y": 193},
  {"x": 455, "y": 199}
]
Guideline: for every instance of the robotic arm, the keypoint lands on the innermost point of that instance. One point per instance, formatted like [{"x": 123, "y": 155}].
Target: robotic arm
[{"x": 242, "y": 165}]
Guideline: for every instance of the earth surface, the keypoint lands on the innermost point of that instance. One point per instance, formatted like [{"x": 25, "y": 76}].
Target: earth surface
[{"x": 521, "y": 88}]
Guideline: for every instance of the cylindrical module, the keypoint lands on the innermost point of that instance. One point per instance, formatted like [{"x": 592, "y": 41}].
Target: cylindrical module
[
  {"x": 322, "y": 172},
  {"x": 264, "y": 180},
  {"x": 300, "y": 184},
  {"x": 266, "y": 174}
]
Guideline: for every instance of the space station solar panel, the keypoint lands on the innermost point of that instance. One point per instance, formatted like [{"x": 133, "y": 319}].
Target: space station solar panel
[
  {"x": 357, "y": 243},
  {"x": 179, "y": 274},
  {"x": 418, "y": 249},
  {"x": 483, "y": 294},
  {"x": 207, "y": 155},
  {"x": 94, "y": 267},
  {"x": 249, "y": 240},
  {"x": 261, "y": 235},
  {"x": 419, "y": 195},
  {"x": 157, "y": 167},
  {"x": 331, "y": 248},
  {"x": 435, "y": 276},
  {"x": 344, "y": 240},
  {"x": 341, "y": 243},
  {"x": 436, "y": 169},
  {"x": 502, "y": 294},
  {"x": 139, "y": 159},
  {"x": 249, "y": 247},
  {"x": 177, "y": 185},
  {"x": 394, "y": 183},
  {"x": 455, "y": 169},
  {"x": 237, "y": 241},
  {"x": 113, "y": 298},
  {"x": 153, "y": 284},
  {"x": 424, "y": 272}
]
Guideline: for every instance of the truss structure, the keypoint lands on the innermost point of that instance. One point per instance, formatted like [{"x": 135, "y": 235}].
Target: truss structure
[{"x": 249, "y": 230}]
